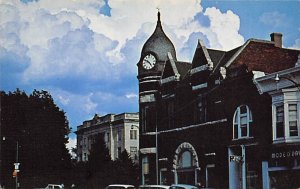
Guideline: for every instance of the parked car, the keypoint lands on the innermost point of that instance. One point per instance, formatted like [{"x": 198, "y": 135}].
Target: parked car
[
  {"x": 53, "y": 186},
  {"x": 182, "y": 186},
  {"x": 120, "y": 186},
  {"x": 154, "y": 187}
]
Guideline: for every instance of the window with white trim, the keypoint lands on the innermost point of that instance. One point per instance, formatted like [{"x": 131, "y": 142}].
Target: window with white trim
[
  {"x": 279, "y": 120},
  {"x": 242, "y": 121},
  {"x": 286, "y": 127}
]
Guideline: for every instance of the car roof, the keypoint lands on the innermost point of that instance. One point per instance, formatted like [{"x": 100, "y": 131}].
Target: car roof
[
  {"x": 184, "y": 186},
  {"x": 154, "y": 186},
  {"x": 121, "y": 185}
]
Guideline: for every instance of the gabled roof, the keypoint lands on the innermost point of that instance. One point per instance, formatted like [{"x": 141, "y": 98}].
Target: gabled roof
[
  {"x": 174, "y": 70},
  {"x": 262, "y": 55},
  {"x": 183, "y": 68},
  {"x": 170, "y": 68},
  {"x": 222, "y": 60},
  {"x": 201, "y": 56}
]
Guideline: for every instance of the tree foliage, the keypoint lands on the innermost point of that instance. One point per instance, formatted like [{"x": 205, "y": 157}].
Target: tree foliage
[{"x": 41, "y": 130}]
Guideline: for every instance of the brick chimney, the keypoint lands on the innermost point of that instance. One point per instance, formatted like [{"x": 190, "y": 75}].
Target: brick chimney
[{"x": 277, "y": 39}]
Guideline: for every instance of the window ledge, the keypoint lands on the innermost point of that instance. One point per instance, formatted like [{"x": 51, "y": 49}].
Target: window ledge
[
  {"x": 242, "y": 138},
  {"x": 286, "y": 140}
]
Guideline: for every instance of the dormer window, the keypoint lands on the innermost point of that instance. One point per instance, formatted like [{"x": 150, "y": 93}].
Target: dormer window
[{"x": 242, "y": 121}]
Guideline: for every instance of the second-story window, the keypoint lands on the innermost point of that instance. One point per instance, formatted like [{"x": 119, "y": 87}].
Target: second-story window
[
  {"x": 279, "y": 121},
  {"x": 286, "y": 126},
  {"x": 293, "y": 128},
  {"x": 242, "y": 122},
  {"x": 133, "y": 134},
  {"x": 145, "y": 112}
]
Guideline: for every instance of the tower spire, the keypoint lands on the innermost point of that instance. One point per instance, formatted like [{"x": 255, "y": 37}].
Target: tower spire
[{"x": 158, "y": 16}]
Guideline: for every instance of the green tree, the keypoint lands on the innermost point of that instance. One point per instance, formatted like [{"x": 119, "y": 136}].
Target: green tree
[
  {"x": 41, "y": 130},
  {"x": 127, "y": 169},
  {"x": 99, "y": 164}
]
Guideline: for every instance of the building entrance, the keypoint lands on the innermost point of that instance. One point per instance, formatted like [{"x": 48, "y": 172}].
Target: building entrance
[
  {"x": 185, "y": 164},
  {"x": 186, "y": 177}
]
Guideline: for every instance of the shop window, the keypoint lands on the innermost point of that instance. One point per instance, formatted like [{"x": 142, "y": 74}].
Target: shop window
[{"x": 242, "y": 122}]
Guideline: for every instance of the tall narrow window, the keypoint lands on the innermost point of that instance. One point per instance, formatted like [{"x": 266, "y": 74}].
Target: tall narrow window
[
  {"x": 293, "y": 120},
  {"x": 185, "y": 159},
  {"x": 145, "y": 167},
  {"x": 279, "y": 121},
  {"x": 242, "y": 122},
  {"x": 145, "y": 111},
  {"x": 133, "y": 134}
]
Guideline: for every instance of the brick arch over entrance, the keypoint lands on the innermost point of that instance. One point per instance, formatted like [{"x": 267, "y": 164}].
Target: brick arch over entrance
[{"x": 182, "y": 148}]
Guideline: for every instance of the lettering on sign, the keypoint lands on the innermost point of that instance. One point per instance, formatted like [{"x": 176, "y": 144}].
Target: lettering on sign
[
  {"x": 234, "y": 158},
  {"x": 286, "y": 154}
]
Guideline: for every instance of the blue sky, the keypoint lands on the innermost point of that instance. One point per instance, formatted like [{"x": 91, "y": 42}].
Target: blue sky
[{"x": 85, "y": 52}]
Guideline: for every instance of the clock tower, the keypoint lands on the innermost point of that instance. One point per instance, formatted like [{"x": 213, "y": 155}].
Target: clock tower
[{"x": 150, "y": 68}]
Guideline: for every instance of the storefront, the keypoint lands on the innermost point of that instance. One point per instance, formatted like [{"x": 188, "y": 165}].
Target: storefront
[
  {"x": 244, "y": 167},
  {"x": 284, "y": 166}
]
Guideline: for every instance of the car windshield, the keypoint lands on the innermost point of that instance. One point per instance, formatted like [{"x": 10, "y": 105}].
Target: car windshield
[{"x": 151, "y": 187}]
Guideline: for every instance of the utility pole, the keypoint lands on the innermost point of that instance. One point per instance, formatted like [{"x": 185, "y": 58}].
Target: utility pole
[
  {"x": 17, "y": 163},
  {"x": 156, "y": 145}
]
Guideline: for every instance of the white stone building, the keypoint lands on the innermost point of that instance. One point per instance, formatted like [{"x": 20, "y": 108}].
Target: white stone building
[{"x": 121, "y": 132}]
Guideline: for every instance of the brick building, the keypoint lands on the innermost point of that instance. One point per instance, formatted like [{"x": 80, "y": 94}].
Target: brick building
[
  {"x": 120, "y": 132},
  {"x": 205, "y": 121}
]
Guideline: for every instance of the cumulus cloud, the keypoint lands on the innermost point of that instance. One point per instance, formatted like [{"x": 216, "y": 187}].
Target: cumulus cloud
[
  {"x": 73, "y": 38},
  {"x": 88, "y": 60}
]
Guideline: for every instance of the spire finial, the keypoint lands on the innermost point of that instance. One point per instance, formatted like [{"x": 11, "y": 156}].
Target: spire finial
[{"x": 158, "y": 14}]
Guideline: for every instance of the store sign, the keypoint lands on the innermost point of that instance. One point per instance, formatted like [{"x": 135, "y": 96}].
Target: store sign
[
  {"x": 148, "y": 150},
  {"x": 234, "y": 158},
  {"x": 285, "y": 152}
]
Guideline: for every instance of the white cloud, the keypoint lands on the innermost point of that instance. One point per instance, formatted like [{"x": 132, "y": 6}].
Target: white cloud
[
  {"x": 223, "y": 30},
  {"x": 64, "y": 38},
  {"x": 131, "y": 95},
  {"x": 72, "y": 143}
]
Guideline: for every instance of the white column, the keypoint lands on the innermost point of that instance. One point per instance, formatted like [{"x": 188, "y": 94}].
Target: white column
[
  {"x": 175, "y": 177},
  {"x": 243, "y": 167},
  {"x": 265, "y": 175}
]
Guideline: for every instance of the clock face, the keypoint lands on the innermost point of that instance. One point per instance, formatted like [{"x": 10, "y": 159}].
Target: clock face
[{"x": 149, "y": 61}]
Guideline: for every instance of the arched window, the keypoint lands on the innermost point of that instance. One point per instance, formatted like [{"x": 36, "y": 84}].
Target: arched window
[
  {"x": 242, "y": 121},
  {"x": 185, "y": 159}
]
